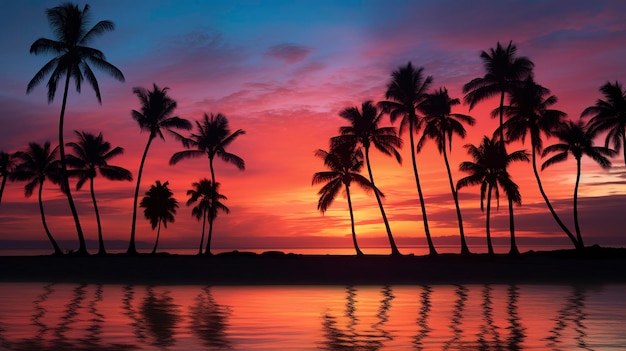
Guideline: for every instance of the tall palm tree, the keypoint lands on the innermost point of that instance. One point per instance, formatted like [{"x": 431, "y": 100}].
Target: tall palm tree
[
  {"x": 405, "y": 94},
  {"x": 91, "y": 155},
  {"x": 610, "y": 114},
  {"x": 440, "y": 124},
  {"x": 577, "y": 141},
  {"x": 345, "y": 162},
  {"x": 209, "y": 204},
  {"x": 530, "y": 113},
  {"x": 213, "y": 138},
  {"x": 35, "y": 165},
  {"x": 6, "y": 168},
  {"x": 72, "y": 59},
  {"x": 154, "y": 117},
  {"x": 364, "y": 130},
  {"x": 159, "y": 207},
  {"x": 503, "y": 72},
  {"x": 489, "y": 169}
]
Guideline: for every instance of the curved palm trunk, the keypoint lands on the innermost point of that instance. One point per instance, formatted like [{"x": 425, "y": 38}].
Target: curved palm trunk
[
  {"x": 513, "y": 250},
  {"x": 156, "y": 243},
  {"x": 489, "y": 245},
  {"x": 392, "y": 243},
  {"x": 577, "y": 227},
  {"x": 57, "y": 249},
  {"x": 356, "y": 246},
  {"x": 82, "y": 248},
  {"x": 203, "y": 226},
  {"x": 464, "y": 249},
  {"x": 545, "y": 198},
  {"x": 132, "y": 250},
  {"x": 4, "y": 182},
  {"x": 101, "y": 250},
  {"x": 208, "y": 241},
  {"x": 431, "y": 246}
]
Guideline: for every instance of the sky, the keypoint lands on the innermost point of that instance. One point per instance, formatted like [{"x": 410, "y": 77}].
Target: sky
[{"x": 282, "y": 71}]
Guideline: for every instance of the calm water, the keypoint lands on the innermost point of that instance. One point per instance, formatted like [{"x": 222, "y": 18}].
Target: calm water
[{"x": 40, "y": 316}]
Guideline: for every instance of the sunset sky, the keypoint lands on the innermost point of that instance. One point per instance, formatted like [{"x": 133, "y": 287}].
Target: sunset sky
[{"x": 281, "y": 71}]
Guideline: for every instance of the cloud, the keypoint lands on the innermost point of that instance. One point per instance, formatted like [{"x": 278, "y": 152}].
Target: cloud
[{"x": 288, "y": 52}]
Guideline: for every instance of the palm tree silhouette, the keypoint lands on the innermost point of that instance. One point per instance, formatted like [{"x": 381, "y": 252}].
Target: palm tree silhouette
[
  {"x": 530, "y": 113},
  {"x": 489, "y": 169},
  {"x": 72, "y": 59},
  {"x": 6, "y": 168},
  {"x": 159, "y": 207},
  {"x": 209, "y": 204},
  {"x": 345, "y": 162},
  {"x": 91, "y": 154},
  {"x": 35, "y": 165},
  {"x": 578, "y": 141},
  {"x": 440, "y": 124},
  {"x": 156, "y": 114},
  {"x": 405, "y": 94},
  {"x": 364, "y": 130},
  {"x": 610, "y": 114}
]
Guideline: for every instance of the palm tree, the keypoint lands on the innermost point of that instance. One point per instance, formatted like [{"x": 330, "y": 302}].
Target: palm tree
[
  {"x": 156, "y": 114},
  {"x": 610, "y": 114},
  {"x": 405, "y": 94},
  {"x": 503, "y": 72},
  {"x": 91, "y": 154},
  {"x": 159, "y": 207},
  {"x": 578, "y": 141},
  {"x": 6, "y": 168},
  {"x": 212, "y": 139},
  {"x": 489, "y": 169},
  {"x": 440, "y": 124},
  {"x": 364, "y": 130},
  {"x": 530, "y": 113},
  {"x": 208, "y": 205},
  {"x": 72, "y": 59},
  {"x": 35, "y": 165},
  {"x": 345, "y": 162}
]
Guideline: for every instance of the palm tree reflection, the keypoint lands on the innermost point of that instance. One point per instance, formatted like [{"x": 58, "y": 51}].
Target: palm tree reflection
[
  {"x": 95, "y": 328},
  {"x": 573, "y": 312},
  {"x": 457, "y": 316},
  {"x": 209, "y": 320},
  {"x": 489, "y": 335},
  {"x": 422, "y": 321},
  {"x": 516, "y": 329},
  {"x": 136, "y": 322},
  {"x": 40, "y": 312},
  {"x": 160, "y": 315},
  {"x": 67, "y": 319}
]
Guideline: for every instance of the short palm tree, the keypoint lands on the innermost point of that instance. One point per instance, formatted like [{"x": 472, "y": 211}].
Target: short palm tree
[
  {"x": 209, "y": 203},
  {"x": 364, "y": 130},
  {"x": 577, "y": 141},
  {"x": 154, "y": 117},
  {"x": 72, "y": 59},
  {"x": 345, "y": 162},
  {"x": 213, "y": 137},
  {"x": 6, "y": 168},
  {"x": 91, "y": 155},
  {"x": 489, "y": 169},
  {"x": 610, "y": 115},
  {"x": 35, "y": 165},
  {"x": 159, "y": 207},
  {"x": 405, "y": 94},
  {"x": 530, "y": 113},
  {"x": 440, "y": 124}
]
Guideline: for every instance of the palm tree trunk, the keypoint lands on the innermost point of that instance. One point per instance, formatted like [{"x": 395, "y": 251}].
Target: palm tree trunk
[
  {"x": 579, "y": 237},
  {"x": 57, "y": 249},
  {"x": 392, "y": 243},
  {"x": 464, "y": 249},
  {"x": 489, "y": 245},
  {"x": 431, "y": 246},
  {"x": 203, "y": 226},
  {"x": 4, "y": 181},
  {"x": 545, "y": 198},
  {"x": 156, "y": 243},
  {"x": 82, "y": 248},
  {"x": 101, "y": 250},
  {"x": 131, "y": 246},
  {"x": 624, "y": 147},
  {"x": 513, "y": 250},
  {"x": 208, "y": 241},
  {"x": 501, "y": 116},
  {"x": 356, "y": 246}
]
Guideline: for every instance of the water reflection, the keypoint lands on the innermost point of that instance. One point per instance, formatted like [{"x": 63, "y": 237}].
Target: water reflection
[
  {"x": 573, "y": 313},
  {"x": 161, "y": 316},
  {"x": 457, "y": 317},
  {"x": 516, "y": 329},
  {"x": 209, "y": 321},
  {"x": 422, "y": 321}
]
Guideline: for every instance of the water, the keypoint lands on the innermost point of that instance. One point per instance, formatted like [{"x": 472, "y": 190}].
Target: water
[{"x": 44, "y": 316}]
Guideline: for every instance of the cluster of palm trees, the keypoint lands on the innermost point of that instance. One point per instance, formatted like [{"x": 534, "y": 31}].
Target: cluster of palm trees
[
  {"x": 428, "y": 115},
  {"x": 91, "y": 153}
]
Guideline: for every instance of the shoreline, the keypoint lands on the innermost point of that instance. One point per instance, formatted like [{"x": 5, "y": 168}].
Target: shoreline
[{"x": 595, "y": 265}]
